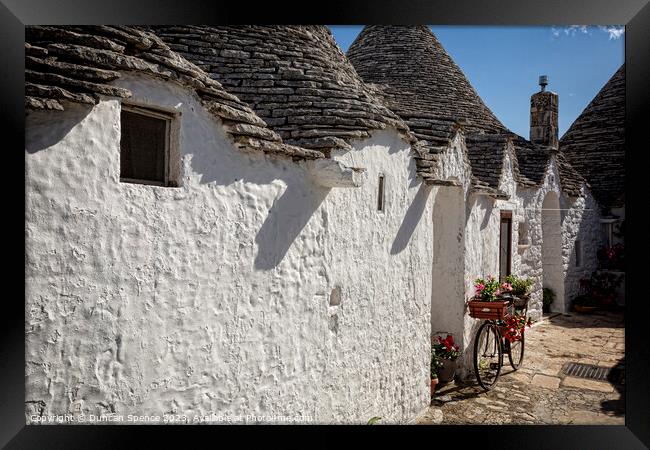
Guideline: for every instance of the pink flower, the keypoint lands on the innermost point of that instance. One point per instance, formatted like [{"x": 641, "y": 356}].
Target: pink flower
[
  {"x": 497, "y": 292},
  {"x": 507, "y": 286}
]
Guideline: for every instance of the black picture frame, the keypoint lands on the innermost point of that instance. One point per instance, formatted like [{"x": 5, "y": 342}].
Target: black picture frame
[{"x": 634, "y": 14}]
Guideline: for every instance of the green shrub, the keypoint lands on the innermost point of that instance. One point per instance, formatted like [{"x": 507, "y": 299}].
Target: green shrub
[
  {"x": 547, "y": 296},
  {"x": 435, "y": 364}
]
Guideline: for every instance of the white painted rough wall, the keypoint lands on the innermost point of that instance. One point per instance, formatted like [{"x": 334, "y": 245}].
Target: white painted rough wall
[
  {"x": 449, "y": 217},
  {"x": 581, "y": 221},
  {"x": 214, "y": 297},
  {"x": 531, "y": 258}
]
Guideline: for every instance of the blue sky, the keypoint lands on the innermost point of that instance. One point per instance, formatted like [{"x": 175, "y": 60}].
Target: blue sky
[{"x": 504, "y": 63}]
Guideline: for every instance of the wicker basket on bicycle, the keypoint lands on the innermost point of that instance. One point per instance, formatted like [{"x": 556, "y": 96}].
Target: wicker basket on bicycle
[{"x": 520, "y": 302}]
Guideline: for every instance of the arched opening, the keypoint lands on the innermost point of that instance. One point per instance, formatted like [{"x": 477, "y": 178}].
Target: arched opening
[
  {"x": 552, "y": 267},
  {"x": 448, "y": 286}
]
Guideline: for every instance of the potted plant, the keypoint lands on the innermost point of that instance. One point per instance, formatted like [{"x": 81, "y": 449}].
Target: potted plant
[
  {"x": 585, "y": 304},
  {"x": 488, "y": 302},
  {"x": 447, "y": 352},
  {"x": 547, "y": 298},
  {"x": 520, "y": 289},
  {"x": 435, "y": 366},
  {"x": 612, "y": 258},
  {"x": 597, "y": 291}
]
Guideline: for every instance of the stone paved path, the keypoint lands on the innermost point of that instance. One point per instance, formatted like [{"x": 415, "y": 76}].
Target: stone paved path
[{"x": 539, "y": 393}]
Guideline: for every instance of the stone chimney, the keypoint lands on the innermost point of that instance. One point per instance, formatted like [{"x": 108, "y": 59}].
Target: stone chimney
[{"x": 543, "y": 116}]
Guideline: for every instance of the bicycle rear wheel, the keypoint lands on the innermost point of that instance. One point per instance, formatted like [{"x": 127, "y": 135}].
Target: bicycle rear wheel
[
  {"x": 488, "y": 355},
  {"x": 516, "y": 353}
]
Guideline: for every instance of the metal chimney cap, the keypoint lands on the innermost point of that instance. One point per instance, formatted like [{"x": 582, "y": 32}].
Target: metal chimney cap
[{"x": 543, "y": 81}]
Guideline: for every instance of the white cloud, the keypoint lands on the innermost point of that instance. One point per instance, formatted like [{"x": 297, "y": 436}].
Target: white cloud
[{"x": 614, "y": 31}]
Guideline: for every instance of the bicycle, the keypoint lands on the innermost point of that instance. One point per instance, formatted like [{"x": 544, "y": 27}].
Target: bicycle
[{"x": 490, "y": 346}]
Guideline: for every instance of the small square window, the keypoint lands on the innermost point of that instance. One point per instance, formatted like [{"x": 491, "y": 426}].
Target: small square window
[{"x": 145, "y": 146}]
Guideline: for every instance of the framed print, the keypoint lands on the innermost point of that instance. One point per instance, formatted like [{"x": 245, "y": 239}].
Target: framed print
[{"x": 375, "y": 218}]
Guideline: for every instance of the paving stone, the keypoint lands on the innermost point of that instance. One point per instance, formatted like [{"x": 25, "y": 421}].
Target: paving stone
[
  {"x": 435, "y": 416},
  {"x": 546, "y": 381},
  {"x": 582, "y": 383},
  {"x": 587, "y": 361},
  {"x": 587, "y": 418},
  {"x": 552, "y": 370},
  {"x": 494, "y": 408}
]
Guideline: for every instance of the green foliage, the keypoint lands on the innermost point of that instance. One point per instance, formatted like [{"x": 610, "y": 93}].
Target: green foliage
[
  {"x": 520, "y": 286},
  {"x": 446, "y": 348},
  {"x": 374, "y": 420},
  {"x": 436, "y": 364},
  {"x": 487, "y": 289},
  {"x": 547, "y": 296}
]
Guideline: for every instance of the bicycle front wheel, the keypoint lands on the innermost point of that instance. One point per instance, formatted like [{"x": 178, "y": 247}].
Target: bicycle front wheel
[{"x": 488, "y": 355}]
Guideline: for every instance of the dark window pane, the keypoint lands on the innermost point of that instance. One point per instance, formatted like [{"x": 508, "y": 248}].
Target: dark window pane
[
  {"x": 142, "y": 147},
  {"x": 380, "y": 198},
  {"x": 505, "y": 248}
]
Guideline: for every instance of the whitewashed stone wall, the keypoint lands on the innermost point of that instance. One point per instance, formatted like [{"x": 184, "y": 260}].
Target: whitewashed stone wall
[
  {"x": 482, "y": 234},
  {"x": 580, "y": 221},
  {"x": 449, "y": 216},
  {"x": 248, "y": 290},
  {"x": 532, "y": 258}
]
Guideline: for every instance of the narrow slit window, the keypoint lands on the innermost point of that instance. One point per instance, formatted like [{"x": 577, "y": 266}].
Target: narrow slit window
[
  {"x": 144, "y": 146},
  {"x": 608, "y": 234},
  {"x": 505, "y": 244},
  {"x": 578, "y": 248},
  {"x": 380, "y": 196}
]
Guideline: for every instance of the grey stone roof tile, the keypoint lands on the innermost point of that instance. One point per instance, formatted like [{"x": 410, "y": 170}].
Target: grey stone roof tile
[
  {"x": 78, "y": 63},
  {"x": 418, "y": 79},
  {"x": 595, "y": 143},
  {"x": 294, "y": 77}
]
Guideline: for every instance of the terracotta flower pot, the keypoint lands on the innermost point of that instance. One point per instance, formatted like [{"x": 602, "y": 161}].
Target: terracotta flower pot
[
  {"x": 447, "y": 371},
  {"x": 434, "y": 382},
  {"x": 584, "y": 309}
]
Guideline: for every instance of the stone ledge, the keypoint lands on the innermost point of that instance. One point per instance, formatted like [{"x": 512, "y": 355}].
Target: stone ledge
[{"x": 332, "y": 173}]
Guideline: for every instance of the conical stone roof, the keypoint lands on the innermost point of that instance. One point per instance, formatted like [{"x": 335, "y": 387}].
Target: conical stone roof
[
  {"x": 595, "y": 142},
  {"x": 422, "y": 84},
  {"x": 420, "y": 81},
  {"x": 294, "y": 77}
]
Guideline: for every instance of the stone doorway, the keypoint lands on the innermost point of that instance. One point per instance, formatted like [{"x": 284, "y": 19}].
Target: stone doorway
[{"x": 552, "y": 266}]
